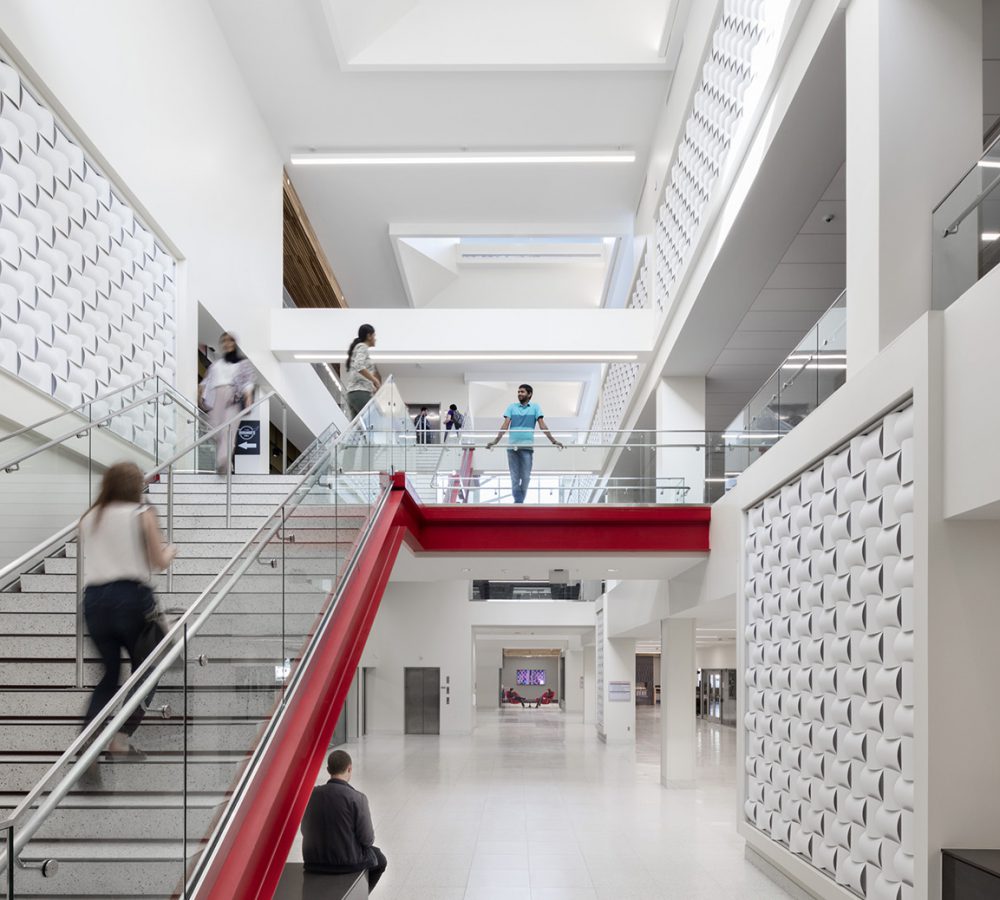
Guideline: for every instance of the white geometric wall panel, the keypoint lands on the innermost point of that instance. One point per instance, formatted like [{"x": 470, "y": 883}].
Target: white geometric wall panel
[
  {"x": 715, "y": 113},
  {"x": 829, "y": 663},
  {"x": 87, "y": 294}
]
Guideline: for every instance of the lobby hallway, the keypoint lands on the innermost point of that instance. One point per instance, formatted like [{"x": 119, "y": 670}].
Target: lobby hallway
[{"x": 533, "y": 806}]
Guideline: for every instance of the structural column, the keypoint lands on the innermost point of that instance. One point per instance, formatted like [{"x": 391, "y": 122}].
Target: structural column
[
  {"x": 677, "y": 715},
  {"x": 680, "y": 428},
  {"x": 914, "y": 127}
]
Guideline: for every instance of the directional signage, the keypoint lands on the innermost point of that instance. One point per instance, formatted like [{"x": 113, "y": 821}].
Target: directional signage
[{"x": 248, "y": 438}]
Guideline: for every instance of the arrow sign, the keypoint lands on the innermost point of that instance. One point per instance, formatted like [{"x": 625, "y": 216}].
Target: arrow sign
[{"x": 248, "y": 438}]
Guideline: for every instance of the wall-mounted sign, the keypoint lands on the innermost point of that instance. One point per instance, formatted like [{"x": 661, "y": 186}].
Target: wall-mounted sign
[
  {"x": 248, "y": 438},
  {"x": 619, "y": 691}
]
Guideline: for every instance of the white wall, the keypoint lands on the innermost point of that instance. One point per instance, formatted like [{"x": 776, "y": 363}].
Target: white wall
[
  {"x": 154, "y": 91},
  {"x": 716, "y": 656},
  {"x": 431, "y": 624},
  {"x": 971, "y": 434}
]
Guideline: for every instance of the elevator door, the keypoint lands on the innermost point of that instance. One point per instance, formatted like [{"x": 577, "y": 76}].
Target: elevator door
[{"x": 422, "y": 701}]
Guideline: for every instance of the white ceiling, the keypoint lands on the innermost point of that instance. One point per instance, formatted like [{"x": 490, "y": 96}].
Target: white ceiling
[
  {"x": 556, "y": 34},
  {"x": 288, "y": 60}
]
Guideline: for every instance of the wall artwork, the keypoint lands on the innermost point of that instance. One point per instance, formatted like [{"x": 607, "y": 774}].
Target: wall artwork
[
  {"x": 829, "y": 636},
  {"x": 87, "y": 293}
]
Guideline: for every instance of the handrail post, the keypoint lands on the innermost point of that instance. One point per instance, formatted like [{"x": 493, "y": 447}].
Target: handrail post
[
  {"x": 229, "y": 474},
  {"x": 170, "y": 523},
  {"x": 79, "y": 611},
  {"x": 284, "y": 438},
  {"x": 10, "y": 861}
]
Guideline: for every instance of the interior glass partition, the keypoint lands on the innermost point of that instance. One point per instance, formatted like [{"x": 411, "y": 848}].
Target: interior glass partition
[{"x": 966, "y": 230}]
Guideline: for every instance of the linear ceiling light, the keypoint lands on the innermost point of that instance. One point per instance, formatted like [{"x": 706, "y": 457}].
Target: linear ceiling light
[
  {"x": 989, "y": 164},
  {"x": 479, "y": 357},
  {"x": 990, "y": 235},
  {"x": 469, "y": 157}
]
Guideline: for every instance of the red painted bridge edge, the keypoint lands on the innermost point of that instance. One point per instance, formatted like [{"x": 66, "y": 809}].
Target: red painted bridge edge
[{"x": 254, "y": 849}]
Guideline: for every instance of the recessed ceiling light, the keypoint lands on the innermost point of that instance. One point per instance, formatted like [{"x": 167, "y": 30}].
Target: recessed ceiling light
[
  {"x": 612, "y": 570},
  {"x": 466, "y": 570},
  {"x": 468, "y": 157},
  {"x": 478, "y": 357}
]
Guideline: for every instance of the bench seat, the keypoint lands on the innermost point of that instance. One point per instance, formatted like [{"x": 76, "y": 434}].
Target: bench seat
[{"x": 298, "y": 884}]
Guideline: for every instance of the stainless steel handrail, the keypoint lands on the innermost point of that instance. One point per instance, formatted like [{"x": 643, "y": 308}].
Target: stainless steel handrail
[
  {"x": 89, "y": 744},
  {"x": 67, "y": 412},
  {"x": 976, "y": 201},
  {"x": 256, "y": 759},
  {"x": 14, "y": 464}
]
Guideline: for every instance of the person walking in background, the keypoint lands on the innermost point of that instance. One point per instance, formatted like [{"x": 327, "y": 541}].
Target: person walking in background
[
  {"x": 453, "y": 419},
  {"x": 227, "y": 388},
  {"x": 337, "y": 831},
  {"x": 362, "y": 377},
  {"x": 120, "y": 545},
  {"x": 519, "y": 421},
  {"x": 422, "y": 425}
]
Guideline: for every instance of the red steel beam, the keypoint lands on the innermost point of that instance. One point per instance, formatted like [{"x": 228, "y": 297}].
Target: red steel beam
[{"x": 249, "y": 862}]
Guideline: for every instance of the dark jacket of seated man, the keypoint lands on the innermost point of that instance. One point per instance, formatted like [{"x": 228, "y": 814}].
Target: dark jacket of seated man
[{"x": 337, "y": 831}]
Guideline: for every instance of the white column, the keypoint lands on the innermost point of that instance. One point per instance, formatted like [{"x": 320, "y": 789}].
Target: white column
[
  {"x": 677, "y": 718},
  {"x": 619, "y": 691},
  {"x": 573, "y": 695},
  {"x": 914, "y": 127},
  {"x": 680, "y": 406},
  {"x": 589, "y": 684}
]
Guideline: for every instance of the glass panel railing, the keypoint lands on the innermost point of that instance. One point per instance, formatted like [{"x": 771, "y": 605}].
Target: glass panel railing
[
  {"x": 51, "y": 471},
  {"x": 215, "y": 684},
  {"x": 966, "y": 230},
  {"x": 808, "y": 375},
  {"x": 630, "y": 468}
]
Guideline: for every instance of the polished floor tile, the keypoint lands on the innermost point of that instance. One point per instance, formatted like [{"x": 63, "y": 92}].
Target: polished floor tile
[{"x": 533, "y": 806}]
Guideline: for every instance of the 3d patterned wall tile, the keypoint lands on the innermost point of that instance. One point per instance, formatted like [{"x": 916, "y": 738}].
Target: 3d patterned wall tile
[
  {"x": 829, "y": 680},
  {"x": 715, "y": 114},
  {"x": 87, "y": 294}
]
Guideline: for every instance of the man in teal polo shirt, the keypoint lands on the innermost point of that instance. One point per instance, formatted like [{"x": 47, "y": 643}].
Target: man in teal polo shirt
[{"x": 519, "y": 422}]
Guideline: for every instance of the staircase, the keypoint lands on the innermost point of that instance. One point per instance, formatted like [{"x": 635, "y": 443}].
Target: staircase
[{"x": 123, "y": 832}]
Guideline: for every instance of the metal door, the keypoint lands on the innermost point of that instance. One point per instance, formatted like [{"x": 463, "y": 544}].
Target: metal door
[{"x": 422, "y": 700}]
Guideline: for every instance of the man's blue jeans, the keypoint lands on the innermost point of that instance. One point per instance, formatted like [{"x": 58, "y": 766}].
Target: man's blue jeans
[{"x": 519, "y": 462}]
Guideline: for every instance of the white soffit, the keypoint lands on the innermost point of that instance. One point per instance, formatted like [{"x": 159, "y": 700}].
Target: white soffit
[
  {"x": 558, "y": 399},
  {"x": 436, "y": 35},
  {"x": 522, "y": 271}
]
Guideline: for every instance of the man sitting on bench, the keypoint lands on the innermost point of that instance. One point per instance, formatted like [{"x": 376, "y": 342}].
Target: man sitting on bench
[{"x": 337, "y": 831}]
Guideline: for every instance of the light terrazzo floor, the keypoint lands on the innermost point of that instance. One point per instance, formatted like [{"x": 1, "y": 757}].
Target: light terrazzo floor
[{"x": 533, "y": 806}]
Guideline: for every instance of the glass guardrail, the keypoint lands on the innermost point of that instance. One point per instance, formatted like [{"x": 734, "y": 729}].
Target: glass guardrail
[
  {"x": 215, "y": 684},
  {"x": 966, "y": 230},
  {"x": 808, "y": 375},
  {"x": 637, "y": 467},
  {"x": 51, "y": 471}
]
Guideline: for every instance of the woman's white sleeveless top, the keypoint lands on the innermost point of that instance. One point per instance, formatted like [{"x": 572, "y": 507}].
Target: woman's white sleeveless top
[{"x": 114, "y": 549}]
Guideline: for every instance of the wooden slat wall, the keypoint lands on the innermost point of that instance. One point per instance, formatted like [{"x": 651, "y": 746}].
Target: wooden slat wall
[{"x": 308, "y": 278}]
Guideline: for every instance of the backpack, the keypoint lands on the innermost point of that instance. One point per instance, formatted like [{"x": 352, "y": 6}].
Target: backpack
[{"x": 458, "y": 420}]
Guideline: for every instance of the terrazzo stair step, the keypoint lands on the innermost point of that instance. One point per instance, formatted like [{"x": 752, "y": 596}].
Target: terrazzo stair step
[
  {"x": 305, "y": 560},
  {"x": 155, "y": 774},
  {"x": 154, "y": 735},
  {"x": 268, "y": 618},
  {"x": 61, "y": 673},
  {"x": 186, "y": 584},
  {"x": 252, "y": 646},
  {"x": 103, "y": 817},
  {"x": 125, "y": 870},
  {"x": 236, "y": 703}
]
